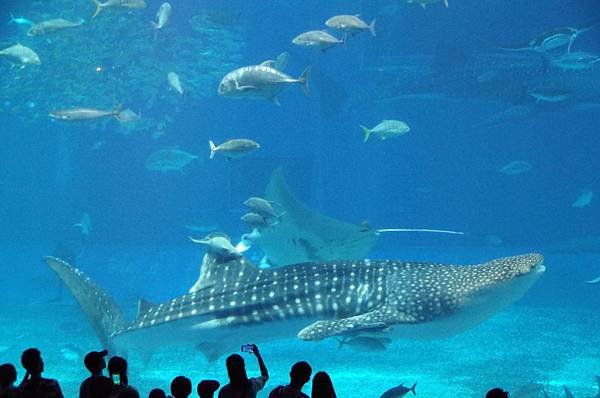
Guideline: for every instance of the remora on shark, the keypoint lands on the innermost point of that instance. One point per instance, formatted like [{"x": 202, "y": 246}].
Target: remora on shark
[{"x": 237, "y": 302}]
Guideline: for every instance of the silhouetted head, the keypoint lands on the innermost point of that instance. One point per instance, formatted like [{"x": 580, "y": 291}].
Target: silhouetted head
[
  {"x": 207, "y": 388},
  {"x": 181, "y": 387},
  {"x": 128, "y": 392},
  {"x": 157, "y": 393},
  {"x": 99, "y": 387},
  {"x": 94, "y": 361},
  {"x": 31, "y": 360},
  {"x": 118, "y": 366},
  {"x": 236, "y": 369},
  {"x": 322, "y": 387},
  {"x": 8, "y": 375},
  {"x": 300, "y": 373},
  {"x": 496, "y": 393}
]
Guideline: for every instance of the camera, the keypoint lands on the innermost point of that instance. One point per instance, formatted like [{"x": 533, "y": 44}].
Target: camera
[{"x": 247, "y": 348}]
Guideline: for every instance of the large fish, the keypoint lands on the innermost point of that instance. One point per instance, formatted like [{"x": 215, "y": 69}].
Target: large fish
[
  {"x": 52, "y": 25},
  {"x": 260, "y": 81},
  {"x": 24, "y": 55},
  {"x": 84, "y": 114},
  {"x": 237, "y": 302},
  {"x": 317, "y": 39},
  {"x": 132, "y": 4},
  {"x": 162, "y": 16},
  {"x": 351, "y": 24}
]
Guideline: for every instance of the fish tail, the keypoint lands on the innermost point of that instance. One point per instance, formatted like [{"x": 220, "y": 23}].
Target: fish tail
[
  {"x": 303, "y": 80},
  {"x": 116, "y": 111},
  {"x": 213, "y": 148},
  {"x": 12, "y": 19},
  {"x": 367, "y": 132},
  {"x": 98, "y": 8},
  {"x": 413, "y": 388},
  {"x": 372, "y": 27},
  {"x": 446, "y": 3}
]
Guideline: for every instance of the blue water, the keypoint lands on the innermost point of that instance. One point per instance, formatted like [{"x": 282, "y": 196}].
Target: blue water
[{"x": 442, "y": 174}]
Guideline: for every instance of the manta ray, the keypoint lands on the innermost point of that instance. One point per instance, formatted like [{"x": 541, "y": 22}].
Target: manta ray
[{"x": 237, "y": 302}]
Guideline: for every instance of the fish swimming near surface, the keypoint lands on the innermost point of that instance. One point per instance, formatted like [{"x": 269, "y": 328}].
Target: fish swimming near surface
[
  {"x": 594, "y": 282},
  {"x": 317, "y": 39},
  {"x": 24, "y": 55},
  {"x": 131, "y": 4},
  {"x": 175, "y": 82},
  {"x": 399, "y": 392},
  {"x": 235, "y": 301},
  {"x": 576, "y": 61},
  {"x": 425, "y": 3},
  {"x": 387, "y": 129},
  {"x": 167, "y": 160},
  {"x": 584, "y": 199},
  {"x": 84, "y": 114},
  {"x": 233, "y": 149},
  {"x": 19, "y": 20},
  {"x": 162, "y": 16},
  {"x": 364, "y": 343},
  {"x": 52, "y": 25},
  {"x": 351, "y": 24},
  {"x": 85, "y": 224},
  {"x": 516, "y": 167},
  {"x": 260, "y": 81}
]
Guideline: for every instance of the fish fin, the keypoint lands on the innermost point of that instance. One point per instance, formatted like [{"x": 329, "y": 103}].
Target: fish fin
[
  {"x": 269, "y": 64},
  {"x": 98, "y": 8},
  {"x": 372, "y": 27},
  {"x": 246, "y": 88},
  {"x": 213, "y": 149},
  {"x": 367, "y": 133},
  {"x": 275, "y": 101},
  {"x": 143, "y": 306},
  {"x": 211, "y": 350},
  {"x": 412, "y": 389},
  {"x": 303, "y": 80},
  {"x": 446, "y": 3},
  {"x": 154, "y": 24}
]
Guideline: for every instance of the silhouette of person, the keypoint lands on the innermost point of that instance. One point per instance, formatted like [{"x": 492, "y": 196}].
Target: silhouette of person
[
  {"x": 99, "y": 387},
  {"x": 117, "y": 371},
  {"x": 322, "y": 387},
  {"x": 207, "y": 388},
  {"x": 95, "y": 363},
  {"x": 240, "y": 386},
  {"x": 33, "y": 384},
  {"x": 157, "y": 393},
  {"x": 128, "y": 392},
  {"x": 496, "y": 393},
  {"x": 8, "y": 376},
  {"x": 181, "y": 387},
  {"x": 299, "y": 376}
]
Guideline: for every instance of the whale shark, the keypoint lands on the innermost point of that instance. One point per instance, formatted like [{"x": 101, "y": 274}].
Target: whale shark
[{"x": 237, "y": 302}]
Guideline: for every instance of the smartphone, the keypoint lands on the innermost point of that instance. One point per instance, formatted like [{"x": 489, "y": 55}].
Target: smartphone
[
  {"x": 247, "y": 348},
  {"x": 116, "y": 379}
]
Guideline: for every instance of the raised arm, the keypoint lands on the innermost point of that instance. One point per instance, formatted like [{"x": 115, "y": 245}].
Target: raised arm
[{"x": 261, "y": 363}]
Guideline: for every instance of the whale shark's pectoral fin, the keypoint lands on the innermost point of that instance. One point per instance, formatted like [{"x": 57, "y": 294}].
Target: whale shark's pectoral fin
[
  {"x": 376, "y": 320},
  {"x": 212, "y": 350}
]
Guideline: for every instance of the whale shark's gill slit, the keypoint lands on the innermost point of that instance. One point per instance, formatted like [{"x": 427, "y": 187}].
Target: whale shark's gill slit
[{"x": 101, "y": 310}]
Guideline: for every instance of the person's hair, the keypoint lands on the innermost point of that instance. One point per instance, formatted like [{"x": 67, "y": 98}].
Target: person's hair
[
  {"x": 118, "y": 365},
  {"x": 181, "y": 386},
  {"x": 496, "y": 393},
  {"x": 236, "y": 369},
  {"x": 8, "y": 374},
  {"x": 157, "y": 393},
  {"x": 322, "y": 387},
  {"x": 300, "y": 373},
  {"x": 128, "y": 392},
  {"x": 31, "y": 359}
]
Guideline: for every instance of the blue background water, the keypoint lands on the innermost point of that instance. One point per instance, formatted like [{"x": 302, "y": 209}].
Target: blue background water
[{"x": 443, "y": 174}]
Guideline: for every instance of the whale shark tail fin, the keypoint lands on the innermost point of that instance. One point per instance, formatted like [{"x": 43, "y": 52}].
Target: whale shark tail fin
[{"x": 101, "y": 310}]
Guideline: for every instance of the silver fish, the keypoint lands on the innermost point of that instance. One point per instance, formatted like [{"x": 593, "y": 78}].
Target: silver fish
[
  {"x": 168, "y": 160},
  {"x": 317, "y": 39},
  {"x": 162, "y": 16},
  {"x": 175, "y": 82},
  {"x": 19, "y": 20},
  {"x": 24, "y": 55},
  {"x": 516, "y": 167},
  {"x": 255, "y": 220},
  {"x": 351, "y": 24},
  {"x": 576, "y": 61},
  {"x": 387, "y": 129},
  {"x": 549, "y": 94},
  {"x": 259, "y": 81},
  {"x": 84, "y": 114},
  {"x": 399, "y": 391},
  {"x": 261, "y": 206},
  {"x": 52, "y": 25},
  {"x": 132, "y": 4},
  {"x": 235, "y": 148},
  {"x": 218, "y": 243}
]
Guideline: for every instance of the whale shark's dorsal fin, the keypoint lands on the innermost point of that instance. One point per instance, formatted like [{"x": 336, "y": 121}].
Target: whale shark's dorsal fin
[{"x": 216, "y": 269}]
